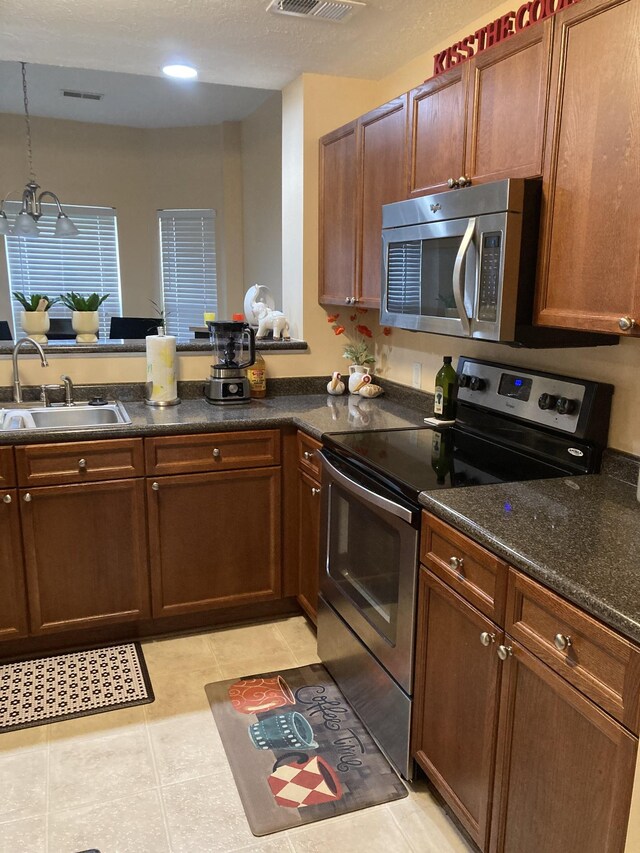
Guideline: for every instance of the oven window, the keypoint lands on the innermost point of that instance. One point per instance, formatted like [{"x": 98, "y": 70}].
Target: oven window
[{"x": 364, "y": 560}]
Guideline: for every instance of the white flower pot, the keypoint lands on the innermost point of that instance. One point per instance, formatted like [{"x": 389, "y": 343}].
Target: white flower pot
[
  {"x": 35, "y": 324},
  {"x": 85, "y": 325},
  {"x": 357, "y": 372}
]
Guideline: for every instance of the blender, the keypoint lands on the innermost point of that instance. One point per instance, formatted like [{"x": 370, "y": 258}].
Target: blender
[{"x": 234, "y": 346}]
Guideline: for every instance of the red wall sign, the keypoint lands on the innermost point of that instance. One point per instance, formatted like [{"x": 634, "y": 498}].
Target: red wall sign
[{"x": 502, "y": 28}]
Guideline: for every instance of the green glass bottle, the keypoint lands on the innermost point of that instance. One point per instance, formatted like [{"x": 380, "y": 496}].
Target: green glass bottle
[{"x": 444, "y": 407}]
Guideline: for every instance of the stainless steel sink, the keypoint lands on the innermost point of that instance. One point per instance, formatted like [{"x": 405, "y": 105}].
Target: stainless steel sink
[{"x": 80, "y": 416}]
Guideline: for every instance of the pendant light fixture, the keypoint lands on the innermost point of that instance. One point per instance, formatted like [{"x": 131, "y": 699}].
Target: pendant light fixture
[{"x": 26, "y": 222}]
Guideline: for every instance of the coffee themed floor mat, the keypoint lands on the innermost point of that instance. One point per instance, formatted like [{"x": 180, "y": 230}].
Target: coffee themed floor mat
[{"x": 297, "y": 751}]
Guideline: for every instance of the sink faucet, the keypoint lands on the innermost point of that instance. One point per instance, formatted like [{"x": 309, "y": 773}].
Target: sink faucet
[
  {"x": 17, "y": 388},
  {"x": 68, "y": 390}
]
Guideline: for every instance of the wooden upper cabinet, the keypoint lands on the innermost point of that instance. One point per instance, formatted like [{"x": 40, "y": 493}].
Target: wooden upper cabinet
[
  {"x": 383, "y": 163},
  {"x": 590, "y": 248},
  {"x": 338, "y": 226},
  {"x": 437, "y": 118},
  {"x": 508, "y": 107}
]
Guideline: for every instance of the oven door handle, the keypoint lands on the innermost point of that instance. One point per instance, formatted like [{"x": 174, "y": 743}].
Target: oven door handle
[
  {"x": 458, "y": 278},
  {"x": 366, "y": 495}
]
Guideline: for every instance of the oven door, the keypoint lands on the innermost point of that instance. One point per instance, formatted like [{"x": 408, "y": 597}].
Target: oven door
[
  {"x": 369, "y": 564},
  {"x": 448, "y": 277}
]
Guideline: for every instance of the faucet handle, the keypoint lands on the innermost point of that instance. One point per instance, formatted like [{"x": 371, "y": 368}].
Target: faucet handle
[{"x": 44, "y": 395}]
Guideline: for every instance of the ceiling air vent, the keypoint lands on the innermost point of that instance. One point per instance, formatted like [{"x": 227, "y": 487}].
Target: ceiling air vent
[
  {"x": 328, "y": 10},
  {"x": 86, "y": 96}
]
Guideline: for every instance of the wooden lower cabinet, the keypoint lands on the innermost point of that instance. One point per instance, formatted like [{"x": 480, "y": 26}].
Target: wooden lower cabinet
[
  {"x": 85, "y": 549},
  {"x": 214, "y": 539},
  {"x": 564, "y": 771},
  {"x": 13, "y": 602},
  {"x": 308, "y": 544},
  {"x": 456, "y": 713}
]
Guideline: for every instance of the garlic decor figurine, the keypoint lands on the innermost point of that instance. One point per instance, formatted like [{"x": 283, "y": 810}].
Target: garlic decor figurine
[
  {"x": 370, "y": 390},
  {"x": 335, "y": 385}
]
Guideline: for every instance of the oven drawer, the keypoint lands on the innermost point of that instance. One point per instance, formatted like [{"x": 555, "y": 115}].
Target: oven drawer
[
  {"x": 475, "y": 573},
  {"x": 595, "y": 659}
]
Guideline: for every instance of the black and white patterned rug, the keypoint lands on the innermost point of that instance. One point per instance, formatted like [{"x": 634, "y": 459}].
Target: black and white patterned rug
[{"x": 60, "y": 687}]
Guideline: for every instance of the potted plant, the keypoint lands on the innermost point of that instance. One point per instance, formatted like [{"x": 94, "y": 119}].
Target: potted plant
[
  {"x": 34, "y": 319},
  {"x": 84, "y": 316}
]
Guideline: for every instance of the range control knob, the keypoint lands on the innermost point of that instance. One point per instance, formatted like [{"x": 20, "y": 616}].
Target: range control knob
[
  {"x": 477, "y": 384},
  {"x": 547, "y": 401},
  {"x": 565, "y": 406},
  {"x": 463, "y": 380}
]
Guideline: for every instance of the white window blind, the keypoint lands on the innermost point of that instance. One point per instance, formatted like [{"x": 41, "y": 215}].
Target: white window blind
[
  {"x": 188, "y": 254},
  {"x": 404, "y": 277},
  {"x": 85, "y": 264}
]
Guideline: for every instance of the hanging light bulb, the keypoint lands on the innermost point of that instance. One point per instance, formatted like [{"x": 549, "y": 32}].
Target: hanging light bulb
[{"x": 26, "y": 221}]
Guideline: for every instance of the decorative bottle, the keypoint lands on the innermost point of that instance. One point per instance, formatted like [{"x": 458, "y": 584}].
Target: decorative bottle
[
  {"x": 257, "y": 376},
  {"x": 444, "y": 407}
]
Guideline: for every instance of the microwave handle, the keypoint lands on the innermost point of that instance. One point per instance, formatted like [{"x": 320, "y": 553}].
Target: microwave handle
[
  {"x": 458, "y": 277},
  {"x": 364, "y": 494}
]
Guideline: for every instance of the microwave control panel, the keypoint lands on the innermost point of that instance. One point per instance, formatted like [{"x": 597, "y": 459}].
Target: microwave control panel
[{"x": 490, "y": 263}]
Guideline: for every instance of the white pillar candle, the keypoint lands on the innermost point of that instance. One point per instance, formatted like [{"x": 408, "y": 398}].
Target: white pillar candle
[{"x": 162, "y": 384}]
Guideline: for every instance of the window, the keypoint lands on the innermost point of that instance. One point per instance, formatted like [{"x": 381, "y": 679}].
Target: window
[
  {"x": 188, "y": 255},
  {"x": 86, "y": 264}
]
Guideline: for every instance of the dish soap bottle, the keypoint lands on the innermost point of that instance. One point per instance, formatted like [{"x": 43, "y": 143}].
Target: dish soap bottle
[
  {"x": 257, "y": 376},
  {"x": 444, "y": 407}
]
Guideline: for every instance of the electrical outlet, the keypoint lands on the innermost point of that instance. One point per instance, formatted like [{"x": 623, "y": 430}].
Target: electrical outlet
[{"x": 416, "y": 380}]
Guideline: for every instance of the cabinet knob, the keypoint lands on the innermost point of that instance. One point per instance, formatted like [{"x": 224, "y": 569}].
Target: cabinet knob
[
  {"x": 82, "y": 464},
  {"x": 155, "y": 486},
  {"x": 464, "y": 181},
  {"x": 561, "y": 642},
  {"x": 7, "y": 499},
  {"x": 216, "y": 452},
  {"x": 27, "y": 498},
  {"x": 452, "y": 184},
  {"x": 626, "y": 323},
  {"x": 315, "y": 492},
  {"x": 347, "y": 300},
  {"x": 486, "y": 638},
  {"x": 456, "y": 563},
  {"x": 504, "y": 652},
  {"x": 308, "y": 455}
]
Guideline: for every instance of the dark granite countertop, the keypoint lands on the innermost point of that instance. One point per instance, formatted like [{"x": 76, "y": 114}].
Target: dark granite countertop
[
  {"x": 112, "y": 346},
  {"x": 578, "y": 536}
]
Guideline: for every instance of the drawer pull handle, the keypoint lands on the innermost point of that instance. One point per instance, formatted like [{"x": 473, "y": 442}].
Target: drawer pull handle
[
  {"x": 82, "y": 464},
  {"x": 504, "y": 652},
  {"x": 315, "y": 492},
  {"x": 486, "y": 638},
  {"x": 456, "y": 563},
  {"x": 27, "y": 497},
  {"x": 7, "y": 499},
  {"x": 155, "y": 486},
  {"x": 308, "y": 456},
  {"x": 561, "y": 642},
  {"x": 216, "y": 452}
]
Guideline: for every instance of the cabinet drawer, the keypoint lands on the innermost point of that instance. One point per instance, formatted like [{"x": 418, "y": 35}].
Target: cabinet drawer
[
  {"x": 598, "y": 661},
  {"x": 7, "y": 468},
  {"x": 79, "y": 462},
  {"x": 217, "y": 451},
  {"x": 477, "y": 574},
  {"x": 307, "y": 456}
]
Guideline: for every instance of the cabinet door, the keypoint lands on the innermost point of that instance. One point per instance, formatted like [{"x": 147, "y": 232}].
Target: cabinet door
[
  {"x": 564, "y": 770},
  {"x": 383, "y": 159},
  {"x": 13, "y": 603},
  {"x": 508, "y": 107},
  {"x": 437, "y": 119},
  {"x": 456, "y": 694},
  {"x": 590, "y": 250},
  {"x": 86, "y": 554},
  {"x": 338, "y": 226},
  {"x": 309, "y": 544},
  {"x": 214, "y": 539}
]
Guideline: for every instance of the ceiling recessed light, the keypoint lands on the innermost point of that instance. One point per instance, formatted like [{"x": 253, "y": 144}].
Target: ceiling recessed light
[{"x": 182, "y": 72}]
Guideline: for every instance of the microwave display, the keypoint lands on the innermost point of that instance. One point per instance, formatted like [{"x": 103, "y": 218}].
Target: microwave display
[{"x": 489, "y": 277}]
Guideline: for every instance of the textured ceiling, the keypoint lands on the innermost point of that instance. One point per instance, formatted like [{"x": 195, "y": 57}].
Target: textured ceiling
[
  {"x": 133, "y": 100},
  {"x": 235, "y": 42}
]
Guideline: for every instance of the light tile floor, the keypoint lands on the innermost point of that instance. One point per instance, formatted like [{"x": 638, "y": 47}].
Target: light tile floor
[{"x": 154, "y": 778}]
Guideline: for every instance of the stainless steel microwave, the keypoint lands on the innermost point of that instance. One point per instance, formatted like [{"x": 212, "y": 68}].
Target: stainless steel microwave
[{"x": 463, "y": 263}]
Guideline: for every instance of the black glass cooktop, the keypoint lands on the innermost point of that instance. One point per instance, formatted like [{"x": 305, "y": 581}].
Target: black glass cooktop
[{"x": 425, "y": 459}]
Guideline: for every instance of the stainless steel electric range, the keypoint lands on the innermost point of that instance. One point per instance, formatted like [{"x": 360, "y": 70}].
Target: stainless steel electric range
[{"x": 512, "y": 425}]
